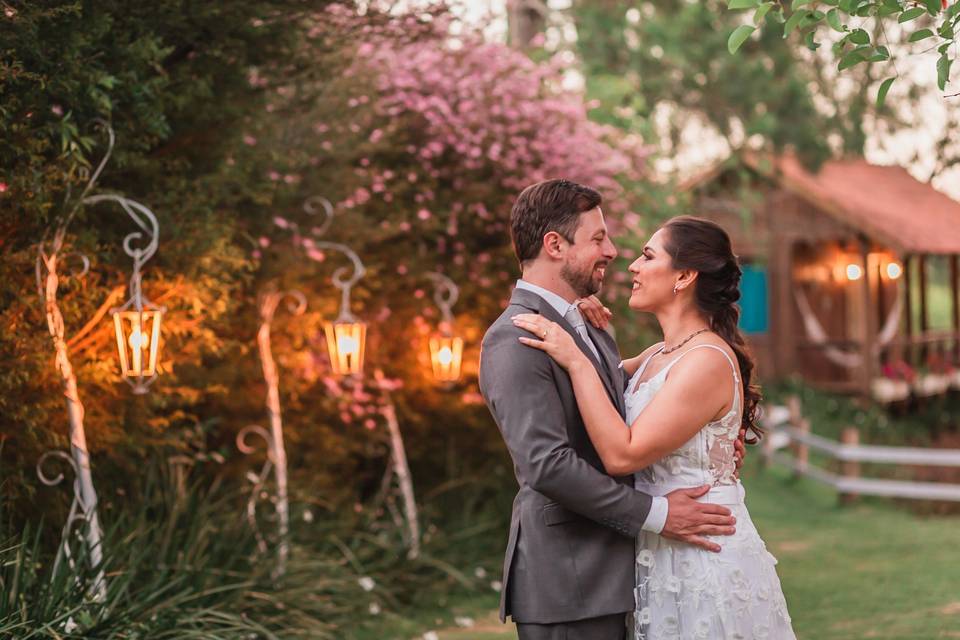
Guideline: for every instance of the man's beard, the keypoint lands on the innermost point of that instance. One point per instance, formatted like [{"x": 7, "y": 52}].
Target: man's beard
[{"x": 582, "y": 282}]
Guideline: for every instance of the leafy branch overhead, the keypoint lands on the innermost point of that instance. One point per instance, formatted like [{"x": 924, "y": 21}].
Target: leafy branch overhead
[{"x": 847, "y": 23}]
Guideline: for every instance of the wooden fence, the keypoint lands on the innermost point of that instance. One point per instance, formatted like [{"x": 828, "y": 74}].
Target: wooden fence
[{"x": 789, "y": 431}]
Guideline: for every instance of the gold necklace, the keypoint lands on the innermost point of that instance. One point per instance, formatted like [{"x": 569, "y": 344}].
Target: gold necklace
[{"x": 685, "y": 341}]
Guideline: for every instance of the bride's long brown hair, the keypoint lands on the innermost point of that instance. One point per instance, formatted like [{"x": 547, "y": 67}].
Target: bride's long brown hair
[{"x": 703, "y": 246}]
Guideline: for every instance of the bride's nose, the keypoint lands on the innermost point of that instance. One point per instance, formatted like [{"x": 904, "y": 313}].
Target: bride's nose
[{"x": 634, "y": 267}]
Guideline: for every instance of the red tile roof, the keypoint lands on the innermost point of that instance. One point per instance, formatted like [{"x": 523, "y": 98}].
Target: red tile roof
[{"x": 884, "y": 201}]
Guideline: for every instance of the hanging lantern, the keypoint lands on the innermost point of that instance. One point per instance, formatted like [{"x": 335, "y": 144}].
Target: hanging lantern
[
  {"x": 346, "y": 344},
  {"x": 446, "y": 356},
  {"x": 137, "y": 322},
  {"x": 138, "y": 343},
  {"x": 446, "y": 349},
  {"x": 346, "y": 336}
]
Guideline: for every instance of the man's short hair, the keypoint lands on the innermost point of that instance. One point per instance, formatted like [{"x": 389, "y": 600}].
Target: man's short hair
[{"x": 551, "y": 205}]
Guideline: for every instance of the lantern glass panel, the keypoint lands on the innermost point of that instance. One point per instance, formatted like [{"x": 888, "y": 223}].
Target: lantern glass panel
[
  {"x": 446, "y": 357},
  {"x": 346, "y": 344},
  {"x": 138, "y": 342}
]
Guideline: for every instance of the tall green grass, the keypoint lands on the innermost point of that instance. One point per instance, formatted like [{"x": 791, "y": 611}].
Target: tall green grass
[{"x": 184, "y": 565}]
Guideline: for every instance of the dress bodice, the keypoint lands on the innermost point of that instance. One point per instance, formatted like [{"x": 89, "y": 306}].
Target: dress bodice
[{"x": 708, "y": 457}]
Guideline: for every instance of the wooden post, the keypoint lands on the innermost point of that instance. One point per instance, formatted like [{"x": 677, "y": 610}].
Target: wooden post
[
  {"x": 525, "y": 19},
  {"x": 869, "y": 323},
  {"x": 793, "y": 405},
  {"x": 924, "y": 311},
  {"x": 849, "y": 469},
  {"x": 801, "y": 452},
  {"x": 783, "y": 337},
  {"x": 908, "y": 308},
  {"x": 766, "y": 449},
  {"x": 955, "y": 294}
]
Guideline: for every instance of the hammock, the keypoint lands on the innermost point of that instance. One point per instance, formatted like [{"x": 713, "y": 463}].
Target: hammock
[{"x": 818, "y": 336}]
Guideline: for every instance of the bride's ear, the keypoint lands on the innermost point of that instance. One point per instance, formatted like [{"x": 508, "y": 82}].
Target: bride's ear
[{"x": 686, "y": 279}]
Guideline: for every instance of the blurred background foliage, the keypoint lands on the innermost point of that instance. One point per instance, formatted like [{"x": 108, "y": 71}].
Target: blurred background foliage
[{"x": 228, "y": 117}]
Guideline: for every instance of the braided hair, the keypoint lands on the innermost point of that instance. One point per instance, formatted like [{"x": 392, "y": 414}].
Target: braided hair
[{"x": 703, "y": 246}]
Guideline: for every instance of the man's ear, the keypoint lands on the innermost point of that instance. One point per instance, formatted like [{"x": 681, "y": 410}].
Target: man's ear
[{"x": 553, "y": 244}]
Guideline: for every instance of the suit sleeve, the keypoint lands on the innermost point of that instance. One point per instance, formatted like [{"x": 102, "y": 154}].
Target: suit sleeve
[{"x": 518, "y": 385}]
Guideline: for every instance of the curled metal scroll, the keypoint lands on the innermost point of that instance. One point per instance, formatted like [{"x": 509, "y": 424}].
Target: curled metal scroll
[
  {"x": 259, "y": 480},
  {"x": 445, "y": 294},
  {"x": 296, "y": 303},
  {"x": 79, "y": 513},
  {"x": 341, "y": 280},
  {"x": 310, "y": 207}
]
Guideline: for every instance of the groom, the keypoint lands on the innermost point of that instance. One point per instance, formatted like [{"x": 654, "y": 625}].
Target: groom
[{"x": 569, "y": 567}]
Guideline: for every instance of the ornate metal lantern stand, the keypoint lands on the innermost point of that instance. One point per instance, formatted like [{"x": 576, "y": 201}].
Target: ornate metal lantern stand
[
  {"x": 83, "y": 509},
  {"x": 276, "y": 452}
]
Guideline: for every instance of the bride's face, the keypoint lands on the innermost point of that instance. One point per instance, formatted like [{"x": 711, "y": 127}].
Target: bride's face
[{"x": 653, "y": 276}]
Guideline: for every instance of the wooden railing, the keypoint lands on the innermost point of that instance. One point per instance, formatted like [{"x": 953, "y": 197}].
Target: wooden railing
[{"x": 788, "y": 430}]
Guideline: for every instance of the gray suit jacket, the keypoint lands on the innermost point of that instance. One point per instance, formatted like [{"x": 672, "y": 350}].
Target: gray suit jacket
[{"x": 570, "y": 554}]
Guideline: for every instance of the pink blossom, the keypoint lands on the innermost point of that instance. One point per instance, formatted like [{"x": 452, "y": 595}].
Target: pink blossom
[
  {"x": 249, "y": 140},
  {"x": 281, "y": 222},
  {"x": 424, "y": 214}
]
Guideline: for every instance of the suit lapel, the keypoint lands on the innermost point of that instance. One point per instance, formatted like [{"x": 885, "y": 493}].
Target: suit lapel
[
  {"x": 607, "y": 347},
  {"x": 534, "y": 302}
]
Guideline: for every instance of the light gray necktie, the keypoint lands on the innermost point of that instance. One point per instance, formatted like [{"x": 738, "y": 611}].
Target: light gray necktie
[{"x": 576, "y": 321}]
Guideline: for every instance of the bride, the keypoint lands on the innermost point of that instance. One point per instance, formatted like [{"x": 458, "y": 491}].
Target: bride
[{"x": 687, "y": 400}]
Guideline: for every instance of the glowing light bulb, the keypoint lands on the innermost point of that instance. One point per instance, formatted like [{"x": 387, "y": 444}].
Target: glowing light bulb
[
  {"x": 445, "y": 356},
  {"x": 854, "y": 272},
  {"x": 138, "y": 339},
  {"x": 347, "y": 344},
  {"x": 894, "y": 270}
]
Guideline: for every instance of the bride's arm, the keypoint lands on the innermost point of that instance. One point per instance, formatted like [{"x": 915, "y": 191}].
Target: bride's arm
[{"x": 689, "y": 399}]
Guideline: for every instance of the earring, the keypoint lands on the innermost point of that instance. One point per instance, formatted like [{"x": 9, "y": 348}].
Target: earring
[{"x": 676, "y": 290}]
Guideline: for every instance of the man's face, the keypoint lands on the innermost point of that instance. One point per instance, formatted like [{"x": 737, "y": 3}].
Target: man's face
[{"x": 586, "y": 260}]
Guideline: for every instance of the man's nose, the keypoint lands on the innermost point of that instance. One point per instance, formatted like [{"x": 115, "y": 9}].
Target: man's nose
[{"x": 611, "y": 250}]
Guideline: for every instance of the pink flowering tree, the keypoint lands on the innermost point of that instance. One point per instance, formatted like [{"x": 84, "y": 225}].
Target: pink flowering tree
[{"x": 422, "y": 146}]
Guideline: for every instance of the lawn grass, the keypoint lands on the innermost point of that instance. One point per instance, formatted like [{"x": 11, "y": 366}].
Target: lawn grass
[{"x": 871, "y": 570}]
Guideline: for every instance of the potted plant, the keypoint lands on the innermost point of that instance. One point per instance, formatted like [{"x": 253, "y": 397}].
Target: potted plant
[{"x": 894, "y": 383}]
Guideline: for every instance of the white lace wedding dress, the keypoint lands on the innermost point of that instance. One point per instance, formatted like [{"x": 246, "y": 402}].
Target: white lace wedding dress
[{"x": 687, "y": 593}]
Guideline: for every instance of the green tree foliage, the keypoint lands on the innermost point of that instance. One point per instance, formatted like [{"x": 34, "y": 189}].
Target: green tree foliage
[
  {"x": 670, "y": 61},
  {"x": 933, "y": 23}
]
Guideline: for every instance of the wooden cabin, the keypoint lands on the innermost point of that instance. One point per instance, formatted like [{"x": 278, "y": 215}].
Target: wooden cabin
[{"x": 841, "y": 270}]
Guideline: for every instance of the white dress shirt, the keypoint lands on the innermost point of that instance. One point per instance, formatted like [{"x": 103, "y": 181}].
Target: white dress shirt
[{"x": 657, "y": 517}]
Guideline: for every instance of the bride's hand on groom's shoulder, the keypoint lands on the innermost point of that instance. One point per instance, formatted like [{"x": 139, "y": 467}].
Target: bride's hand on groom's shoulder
[
  {"x": 689, "y": 520},
  {"x": 594, "y": 312},
  {"x": 552, "y": 338}
]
